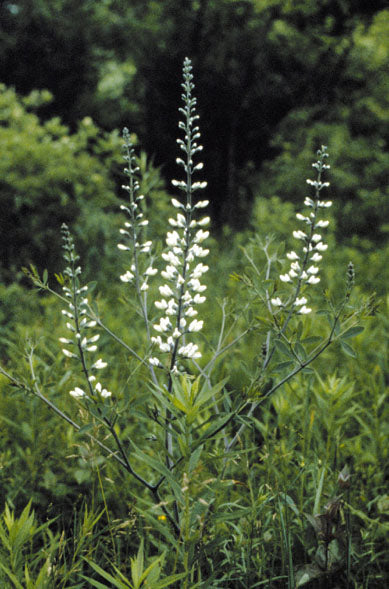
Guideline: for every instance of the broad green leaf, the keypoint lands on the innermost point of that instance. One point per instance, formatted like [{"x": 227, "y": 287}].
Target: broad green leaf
[
  {"x": 283, "y": 348},
  {"x": 282, "y": 366},
  {"x": 347, "y": 349},
  {"x": 353, "y": 331}
]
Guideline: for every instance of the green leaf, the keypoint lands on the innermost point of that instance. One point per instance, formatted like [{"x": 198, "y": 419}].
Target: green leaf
[
  {"x": 195, "y": 457},
  {"x": 219, "y": 424},
  {"x": 168, "y": 581},
  {"x": 137, "y": 566},
  {"x": 353, "y": 331},
  {"x": 281, "y": 366},
  {"x": 347, "y": 349},
  {"x": 115, "y": 583},
  {"x": 85, "y": 428},
  {"x": 312, "y": 339},
  {"x": 283, "y": 348}
]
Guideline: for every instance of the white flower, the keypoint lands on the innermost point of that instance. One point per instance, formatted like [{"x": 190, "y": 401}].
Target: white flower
[
  {"x": 169, "y": 272},
  {"x": 198, "y": 299},
  {"x": 277, "y": 302},
  {"x": 204, "y": 221},
  {"x": 103, "y": 392},
  {"x": 163, "y": 325},
  {"x": 300, "y": 301},
  {"x": 179, "y": 183},
  {"x": 69, "y": 354},
  {"x": 196, "y": 325},
  {"x": 189, "y": 351},
  {"x": 285, "y": 278},
  {"x": 199, "y": 270},
  {"x": 313, "y": 270},
  {"x": 171, "y": 258},
  {"x": 154, "y": 361},
  {"x": 127, "y": 277},
  {"x": 146, "y": 247},
  {"x": 165, "y": 290},
  {"x": 313, "y": 280},
  {"x": 198, "y": 251},
  {"x": 292, "y": 256},
  {"x": 198, "y": 238},
  {"x": 322, "y": 223},
  {"x": 316, "y": 237},
  {"x": 172, "y": 238},
  {"x": 144, "y": 287},
  {"x": 299, "y": 235},
  {"x": 316, "y": 257},
  {"x": 197, "y": 185},
  {"x": 99, "y": 364},
  {"x": 123, "y": 247},
  {"x": 309, "y": 202},
  {"x": 301, "y": 217},
  {"x": 77, "y": 393},
  {"x": 321, "y": 246},
  {"x": 166, "y": 347},
  {"x": 195, "y": 285},
  {"x": 161, "y": 304},
  {"x": 305, "y": 310},
  {"x": 201, "y": 204},
  {"x": 176, "y": 203},
  {"x": 151, "y": 271}
]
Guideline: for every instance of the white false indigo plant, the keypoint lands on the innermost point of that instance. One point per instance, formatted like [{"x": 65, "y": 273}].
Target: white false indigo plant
[
  {"x": 190, "y": 410},
  {"x": 182, "y": 291}
]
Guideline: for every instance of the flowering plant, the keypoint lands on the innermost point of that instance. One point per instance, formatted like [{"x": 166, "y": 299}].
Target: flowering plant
[{"x": 191, "y": 412}]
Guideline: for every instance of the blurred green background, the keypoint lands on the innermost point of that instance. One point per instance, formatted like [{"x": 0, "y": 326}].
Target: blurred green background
[{"x": 275, "y": 79}]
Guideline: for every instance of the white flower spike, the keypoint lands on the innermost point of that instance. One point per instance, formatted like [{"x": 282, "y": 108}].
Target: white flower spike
[{"x": 303, "y": 271}]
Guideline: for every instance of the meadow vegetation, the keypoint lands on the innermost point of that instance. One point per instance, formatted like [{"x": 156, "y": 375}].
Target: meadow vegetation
[{"x": 193, "y": 393}]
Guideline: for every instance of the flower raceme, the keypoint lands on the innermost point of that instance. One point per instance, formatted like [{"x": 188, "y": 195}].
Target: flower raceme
[
  {"x": 303, "y": 265},
  {"x": 133, "y": 228},
  {"x": 78, "y": 324},
  {"x": 183, "y": 290}
]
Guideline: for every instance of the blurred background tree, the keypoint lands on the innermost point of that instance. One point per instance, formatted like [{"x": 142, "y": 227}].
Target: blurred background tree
[{"x": 274, "y": 79}]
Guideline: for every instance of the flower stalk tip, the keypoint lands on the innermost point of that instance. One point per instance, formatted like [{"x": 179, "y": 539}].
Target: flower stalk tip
[{"x": 303, "y": 270}]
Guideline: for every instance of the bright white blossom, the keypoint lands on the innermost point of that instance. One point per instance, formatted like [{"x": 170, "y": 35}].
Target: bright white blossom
[
  {"x": 141, "y": 269},
  {"x": 78, "y": 325},
  {"x": 77, "y": 393},
  {"x": 302, "y": 271},
  {"x": 183, "y": 288}
]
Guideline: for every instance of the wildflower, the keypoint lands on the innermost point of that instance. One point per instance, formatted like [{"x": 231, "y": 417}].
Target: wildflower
[
  {"x": 78, "y": 325},
  {"x": 77, "y": 393},
  {"x": 133, "y": 231},
  {"x": 183, "y": 290},
  {"x": 102, "y": 392},
  {"x": 99, "y": 364},
  {"x": 303, "y": 269}
]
